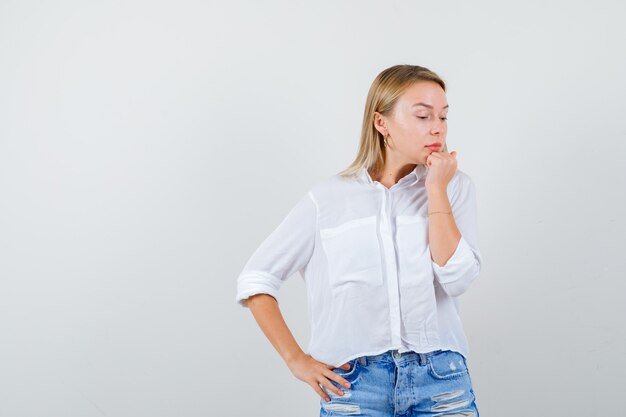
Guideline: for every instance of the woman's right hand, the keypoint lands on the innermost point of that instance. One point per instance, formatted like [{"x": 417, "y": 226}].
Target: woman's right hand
[{"x": 313, "y": 372}]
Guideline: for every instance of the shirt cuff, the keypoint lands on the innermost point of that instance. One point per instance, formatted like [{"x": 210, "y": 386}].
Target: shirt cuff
[
  {"x": 457, "y": 266},
  {"x": 256, "y": 282}
]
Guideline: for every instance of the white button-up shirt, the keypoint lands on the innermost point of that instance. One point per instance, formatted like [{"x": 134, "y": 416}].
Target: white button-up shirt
[{"x": 362, "y": 250}]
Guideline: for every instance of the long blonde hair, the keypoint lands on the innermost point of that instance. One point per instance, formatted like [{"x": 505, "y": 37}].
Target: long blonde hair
[{"x": 383, "y": 94}]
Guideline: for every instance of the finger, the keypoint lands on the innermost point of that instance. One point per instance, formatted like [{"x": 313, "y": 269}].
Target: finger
[
  {"x": 338, "y": 378},
  {"x": 345, "y": 367},
  {"x": 432, "y": 158},
  {"x": 320, "y": 392},
  {"x": 442, "y": 156},
  {"x": 327, "y": 384},
  {"x": 341, "y": 381}
]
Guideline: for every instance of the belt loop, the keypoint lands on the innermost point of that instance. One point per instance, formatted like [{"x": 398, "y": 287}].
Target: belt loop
[
  {"x": 423, "y": 358},
  {"x": 363, "y": 360}
]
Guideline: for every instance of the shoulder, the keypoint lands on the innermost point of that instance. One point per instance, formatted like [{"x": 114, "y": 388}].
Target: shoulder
[
  {"x": 331, "y": 186},
  {"x": 461, "y": 186},
  {"x": 462, "y": 179}
]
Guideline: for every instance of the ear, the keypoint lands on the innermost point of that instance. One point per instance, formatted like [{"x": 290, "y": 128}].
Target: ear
[{"x": 379, "y": 123}]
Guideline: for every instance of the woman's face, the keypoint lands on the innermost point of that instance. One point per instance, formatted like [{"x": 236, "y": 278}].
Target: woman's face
[{"x": 418, "y": 120}]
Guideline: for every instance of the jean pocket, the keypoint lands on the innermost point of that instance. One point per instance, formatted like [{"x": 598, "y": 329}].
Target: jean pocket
[
  {"x": 349, "y": 374},
  {"x": 353, "y": 253},
  {"x": 447, "y": 364}
]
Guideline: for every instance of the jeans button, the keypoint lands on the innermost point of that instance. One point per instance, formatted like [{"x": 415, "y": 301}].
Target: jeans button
[{"x": 396, "y": 354}]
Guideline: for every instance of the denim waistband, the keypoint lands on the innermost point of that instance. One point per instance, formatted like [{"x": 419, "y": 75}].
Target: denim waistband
[{"x": 394, "y": 356}]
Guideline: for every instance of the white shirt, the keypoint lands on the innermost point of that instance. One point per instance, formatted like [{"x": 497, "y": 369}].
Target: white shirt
[{"x": 362, "y": 250}]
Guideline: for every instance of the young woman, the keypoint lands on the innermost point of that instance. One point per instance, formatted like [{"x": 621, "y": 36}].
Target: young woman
[{"x": 385, "y": 247}]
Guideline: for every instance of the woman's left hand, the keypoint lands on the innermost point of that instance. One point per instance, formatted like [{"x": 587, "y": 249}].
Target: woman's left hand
[{"x": 441, "y": 169}]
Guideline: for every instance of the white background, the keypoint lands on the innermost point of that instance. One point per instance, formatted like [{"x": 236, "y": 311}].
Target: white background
[{"x": 148, "y": 147}]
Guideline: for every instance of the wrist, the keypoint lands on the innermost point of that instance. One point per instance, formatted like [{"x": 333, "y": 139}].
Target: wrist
[
  {"x": 436, "y": 189},
  {"x": 290, "y": 358}
]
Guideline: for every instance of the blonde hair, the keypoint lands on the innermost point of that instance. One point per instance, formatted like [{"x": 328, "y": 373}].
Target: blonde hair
[{"x": 383, "y": 94}]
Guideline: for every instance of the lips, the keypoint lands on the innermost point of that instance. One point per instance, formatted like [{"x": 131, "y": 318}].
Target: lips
[{"x": 434, "y": 146}]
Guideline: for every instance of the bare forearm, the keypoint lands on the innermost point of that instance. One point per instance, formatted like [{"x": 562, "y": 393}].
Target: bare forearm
[
  {"x": 267, "y": 314},
  {"x": 443, "y": 233}
]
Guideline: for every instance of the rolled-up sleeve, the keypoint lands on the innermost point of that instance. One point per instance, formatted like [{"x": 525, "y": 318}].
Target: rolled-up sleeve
[
  {"x": 465, "y": 263},
  {"x": 285, "y": 251}
]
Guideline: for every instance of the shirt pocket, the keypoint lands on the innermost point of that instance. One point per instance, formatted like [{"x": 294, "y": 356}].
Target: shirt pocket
[
  {"x": 353, "y": 253},
  {"x": 414, "y": 261}
]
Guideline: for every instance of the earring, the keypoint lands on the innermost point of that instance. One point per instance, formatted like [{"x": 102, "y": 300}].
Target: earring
[{"x": 386, "y": 137}]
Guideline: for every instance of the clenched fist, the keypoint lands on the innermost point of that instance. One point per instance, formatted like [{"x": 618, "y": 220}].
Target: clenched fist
[{"x": 441, "y": 168}]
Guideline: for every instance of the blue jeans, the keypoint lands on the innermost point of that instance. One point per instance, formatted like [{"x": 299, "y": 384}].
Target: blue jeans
[{"x": 404, "y": 385}]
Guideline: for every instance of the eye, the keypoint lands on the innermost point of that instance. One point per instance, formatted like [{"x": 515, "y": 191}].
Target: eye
[{"x": 426, "y": 117}]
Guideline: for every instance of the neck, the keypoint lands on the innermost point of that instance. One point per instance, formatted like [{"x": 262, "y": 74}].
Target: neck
[{"x": 390, "y": 175}]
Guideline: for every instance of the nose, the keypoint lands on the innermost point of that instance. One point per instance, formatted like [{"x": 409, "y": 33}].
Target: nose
[{"x": 438, "y": 128}]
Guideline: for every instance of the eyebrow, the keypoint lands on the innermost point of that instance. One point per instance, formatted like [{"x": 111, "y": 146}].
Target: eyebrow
[{"x": 428, "y": 105}]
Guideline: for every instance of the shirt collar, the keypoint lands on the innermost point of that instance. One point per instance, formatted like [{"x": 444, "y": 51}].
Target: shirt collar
[{"x": 411, "y": 178}]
